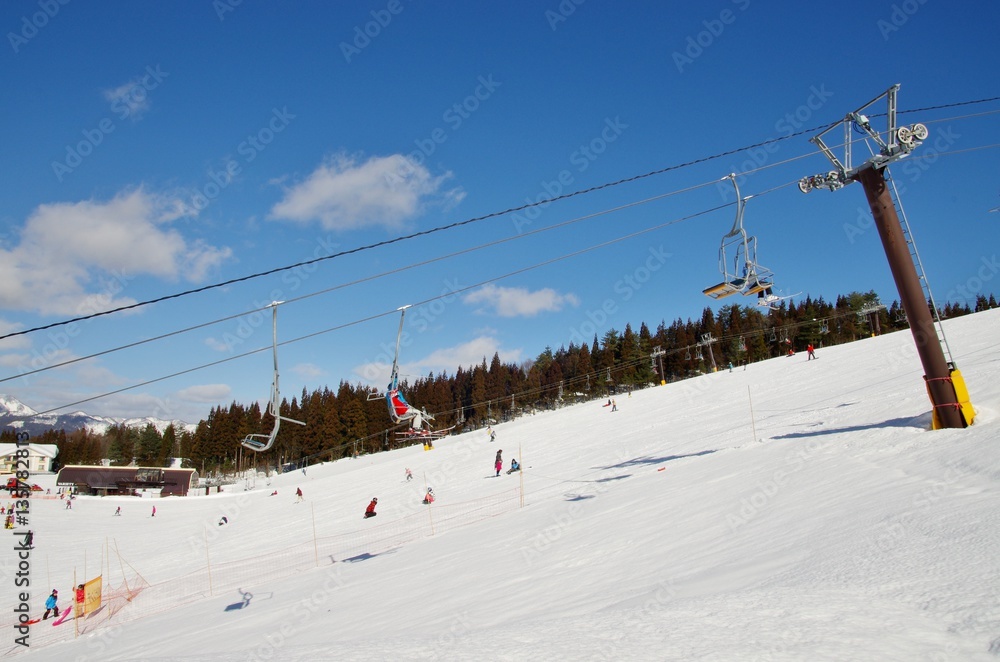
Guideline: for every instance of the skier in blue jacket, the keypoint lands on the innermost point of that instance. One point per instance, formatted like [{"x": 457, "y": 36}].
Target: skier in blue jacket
[{"x": 50, "y": 604}]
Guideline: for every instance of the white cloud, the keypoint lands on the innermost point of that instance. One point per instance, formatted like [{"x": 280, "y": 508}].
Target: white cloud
[
  {"x": 440, "y": 361},
  {"x": 209, "y": 393},
  {"x": 17, "y": 342},
  {"x": 519, "y": 302},
  {"x": 307, "y": 370},
  {"x": 130, "y": 99},
  {"x": 343, "y": 194},
  {"x": 79, "y": 257},
  {"x": 218, "y": 345}
]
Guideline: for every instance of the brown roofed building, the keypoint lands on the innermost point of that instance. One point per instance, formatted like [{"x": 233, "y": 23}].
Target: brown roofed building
[{"x": 104, "y": 481}]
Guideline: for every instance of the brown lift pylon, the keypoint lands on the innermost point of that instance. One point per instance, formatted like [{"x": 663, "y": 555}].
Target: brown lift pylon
[{"x": 943, "y": 381}]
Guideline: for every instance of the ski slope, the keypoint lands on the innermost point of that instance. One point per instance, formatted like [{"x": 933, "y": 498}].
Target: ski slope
[{"x": 794, "y": 510}]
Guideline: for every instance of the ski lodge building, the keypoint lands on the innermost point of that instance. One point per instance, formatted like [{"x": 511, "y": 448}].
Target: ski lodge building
[
  {"x": 105, "y": 481},
  {"x": 40, "y": 457}
]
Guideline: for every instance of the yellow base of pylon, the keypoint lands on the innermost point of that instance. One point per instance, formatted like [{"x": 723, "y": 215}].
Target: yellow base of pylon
[
  {"x": 968, "y": 412},
  {"x": 961, "y": 396}
]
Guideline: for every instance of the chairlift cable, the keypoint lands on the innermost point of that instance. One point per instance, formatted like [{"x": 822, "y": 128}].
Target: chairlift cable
[
  {"x": 383, "y": 314},
  {"x": 373, "y": 277},
  {"x": 457, "y": 224}
]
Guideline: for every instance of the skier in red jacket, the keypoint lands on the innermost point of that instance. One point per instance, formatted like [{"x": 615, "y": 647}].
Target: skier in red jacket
[{"x": 370, "y": 510}]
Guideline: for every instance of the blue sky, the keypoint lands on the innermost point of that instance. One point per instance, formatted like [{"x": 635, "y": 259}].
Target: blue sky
[{"x": 156, "y": 148}]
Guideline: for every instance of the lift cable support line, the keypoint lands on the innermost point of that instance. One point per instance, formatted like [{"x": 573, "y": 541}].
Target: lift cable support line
[
  {"x": 945, "y": 385},
  {"x": 262, "y": 442},
  {"x": 511, "y": 210},
  {"x": 391, "y": 272},
  {"x": 377, "y": 276},
  {"x": 370, "y": 318}
]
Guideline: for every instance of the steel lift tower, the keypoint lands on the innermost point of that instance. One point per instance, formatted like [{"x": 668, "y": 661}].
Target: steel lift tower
[{"x": 945, "y": 385}]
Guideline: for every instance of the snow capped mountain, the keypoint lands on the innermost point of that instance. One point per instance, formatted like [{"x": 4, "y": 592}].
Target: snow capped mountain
[
  {"x": 12, "y": 406},
  {"x": 17, "y": 415}
]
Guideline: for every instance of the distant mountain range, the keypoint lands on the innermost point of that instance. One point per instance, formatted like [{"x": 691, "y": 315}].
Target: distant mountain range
[{"x": 19, "y": 416}]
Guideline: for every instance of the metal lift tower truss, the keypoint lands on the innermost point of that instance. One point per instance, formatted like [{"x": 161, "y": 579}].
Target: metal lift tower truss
[
  {"x": 944, "y": 383},
  {"x": 897, "y": 143}
]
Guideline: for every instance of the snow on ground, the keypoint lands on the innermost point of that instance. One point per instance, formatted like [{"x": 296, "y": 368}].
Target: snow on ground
[{"x": 795, "y": 510}]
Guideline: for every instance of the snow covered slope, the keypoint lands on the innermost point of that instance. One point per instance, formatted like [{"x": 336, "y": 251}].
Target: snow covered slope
[{"x": 795, "y": 510}]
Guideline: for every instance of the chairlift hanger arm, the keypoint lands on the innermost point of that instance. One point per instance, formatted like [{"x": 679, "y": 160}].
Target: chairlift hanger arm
[
  {"x": 399, "y": 334},
  {"x": 262, "y": 442}
]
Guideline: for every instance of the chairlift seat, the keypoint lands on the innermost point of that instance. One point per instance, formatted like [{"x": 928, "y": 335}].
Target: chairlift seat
[
  {"x": 757, "y": 287},
  {"x": 725, "y": 288},
  {"x": 258, "y": 442}
]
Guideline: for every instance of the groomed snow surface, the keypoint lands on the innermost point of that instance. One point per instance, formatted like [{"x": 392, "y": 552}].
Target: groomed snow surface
[{"x": 794, "y": 510}]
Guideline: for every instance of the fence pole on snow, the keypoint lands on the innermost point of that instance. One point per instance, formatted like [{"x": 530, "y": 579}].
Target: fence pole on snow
[
  {"x": 121, "y": 564},
  {"x": 312, "y": 509},
  {"x": 208, "y": 561}
]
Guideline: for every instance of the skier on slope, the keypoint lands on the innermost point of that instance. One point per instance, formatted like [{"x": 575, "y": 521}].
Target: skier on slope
[
  {"x": 370, "y": 510},
  {"x": 498, "y": 463},
  {"x": 50, "y": 605},
  {"x": 80, "y": 597}
]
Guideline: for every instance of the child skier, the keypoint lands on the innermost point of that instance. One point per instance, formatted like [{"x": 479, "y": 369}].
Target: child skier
[
  {"x": 50, "y": 605},
  {"x": 514, "y": 466},
  {"x": 370, "y": 510},
  {"x": 498, "y": 463},
  {"x": 429, "y": 497}
]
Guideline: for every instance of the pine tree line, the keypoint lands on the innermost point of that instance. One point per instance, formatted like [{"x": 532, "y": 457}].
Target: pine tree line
[{"x": 348, "y": 422}]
